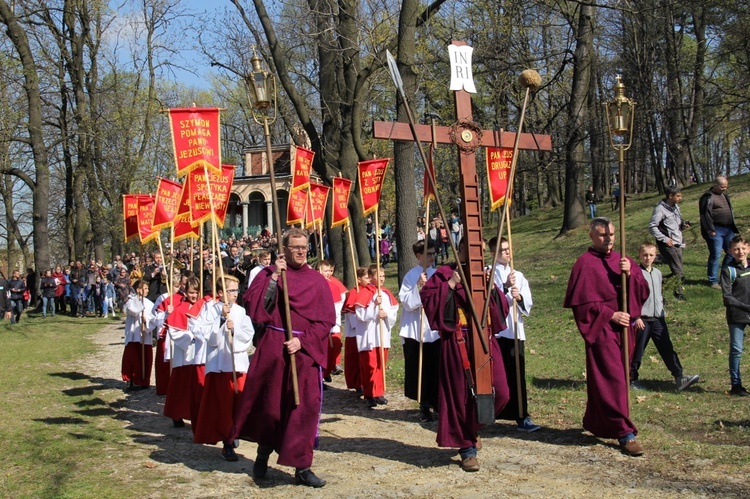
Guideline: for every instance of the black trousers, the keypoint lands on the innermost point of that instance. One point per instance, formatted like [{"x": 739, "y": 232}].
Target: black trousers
[
  {"x": 430, "y": 370},
  {"x": 507, "y": 348},
  {"x": 655, "y": 330}
]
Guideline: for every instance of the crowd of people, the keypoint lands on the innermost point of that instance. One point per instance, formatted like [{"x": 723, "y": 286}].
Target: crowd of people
[{"x": 204, "y": 316}]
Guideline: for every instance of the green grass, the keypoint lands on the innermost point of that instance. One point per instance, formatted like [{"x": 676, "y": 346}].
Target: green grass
[
  {"x": 702, "y": 423},
  {"x": 61, "y": 437},
  {"x": 59, "y": 434}
]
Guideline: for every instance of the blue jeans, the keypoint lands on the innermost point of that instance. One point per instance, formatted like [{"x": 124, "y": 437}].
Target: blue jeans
[
  {"x": 16, "y": 309},
  {"x": 592, "y": 210},
  {"x": 45, "y": 302},
  {"x": 736, "y": 339},
  {"x": 716, "y": 244}
]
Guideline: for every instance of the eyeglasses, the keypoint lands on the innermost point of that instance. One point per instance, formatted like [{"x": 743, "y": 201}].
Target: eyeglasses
[{"x": 298, "y": 249}]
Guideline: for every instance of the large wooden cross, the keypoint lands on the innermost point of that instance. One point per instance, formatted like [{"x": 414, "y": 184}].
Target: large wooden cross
[{"x": 468, "y": 136}]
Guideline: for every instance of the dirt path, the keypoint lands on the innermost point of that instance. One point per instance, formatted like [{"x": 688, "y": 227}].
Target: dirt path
[{"x": 387, "y": 453}]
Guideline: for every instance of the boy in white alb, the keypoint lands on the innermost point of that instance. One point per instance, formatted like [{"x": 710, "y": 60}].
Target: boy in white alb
[
  {"x": 412, "y": 318},
  {"x": 351, "y": 354},
  {"x": 229, "y": 333},
  {"x": 373, "y": 310},
  {"x": 516, "y": 289},
  {"x": 138, "y": 357}
]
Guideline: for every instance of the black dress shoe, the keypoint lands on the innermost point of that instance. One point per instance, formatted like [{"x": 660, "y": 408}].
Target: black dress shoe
[
  {"x": 228, "y": 453},
  {"x": 739, "y": 390},
  {"x": 381, "y": 400},
  {"x": 178, "y": 423},
  {"x": 371, "y": 403},
  {"x": 260, "y": 468},
  {"x": 307, "y": 477}
]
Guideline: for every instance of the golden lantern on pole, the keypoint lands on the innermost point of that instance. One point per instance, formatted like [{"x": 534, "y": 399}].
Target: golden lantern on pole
[
  {"x": 262, "y": 96},
  {"x": 620, "y": 119}
]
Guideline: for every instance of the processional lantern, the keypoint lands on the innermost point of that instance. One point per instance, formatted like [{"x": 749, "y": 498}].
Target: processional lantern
[{"x": 620, "y": 116}]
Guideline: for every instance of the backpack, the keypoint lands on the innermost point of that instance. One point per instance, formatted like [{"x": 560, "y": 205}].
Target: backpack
[{"x": 733, "y": 273}]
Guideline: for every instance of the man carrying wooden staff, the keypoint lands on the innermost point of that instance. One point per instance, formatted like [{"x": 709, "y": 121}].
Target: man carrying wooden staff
[
  {"x": 594, "y": 290},
  {"x": 267, "y": 413}
]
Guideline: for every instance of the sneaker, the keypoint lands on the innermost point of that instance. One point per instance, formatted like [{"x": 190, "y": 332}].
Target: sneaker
[
  {"x": 683, "y": 382},
  {"x": 631, "y": 448},
  {"x": 636, "y": 385},
  {"x": 307, "y": 477},
  {"x": 228, "y": 454},
  {"x": 470, "y": 464},
  {"x": 381, "y": 400},
  {"x": 528, "y": 426},
  {"x": 739, "y": 390},
  {"x": 716, "y": 285}
]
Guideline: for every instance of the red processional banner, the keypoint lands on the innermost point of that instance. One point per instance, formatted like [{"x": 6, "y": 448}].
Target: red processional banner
[
  {"x": 183, "y": 226},
  {"x": 195, "y": 139},
  {"x": 301, "y": 166},
  {"x": 296, "y": 207},
  {"x": 145, "y": 217},
  {"x": 427, "y": 192},
  {"x": 498, "y": 169},
  {"x": 168, "y": 194},
  {"x": 130, "y": 216},
  {"x": 207, "y": 190},
  {"x": 371, "y": 176},
  {"x": 318, "y": 199},
  {"x": 340, "y": 212}
]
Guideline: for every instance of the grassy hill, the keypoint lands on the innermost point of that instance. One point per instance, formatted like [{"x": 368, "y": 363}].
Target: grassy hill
[{"x": 703, "y": 422}]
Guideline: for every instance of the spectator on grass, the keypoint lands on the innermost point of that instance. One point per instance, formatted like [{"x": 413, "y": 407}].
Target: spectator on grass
[{"x": 49, "y": 288}]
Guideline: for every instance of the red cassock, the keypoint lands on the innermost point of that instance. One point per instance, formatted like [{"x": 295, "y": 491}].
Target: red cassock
[
  {"x": 594, "y": 291},
  {"x": 457, "y": 418},
  {"x": 267, "y": 414}
]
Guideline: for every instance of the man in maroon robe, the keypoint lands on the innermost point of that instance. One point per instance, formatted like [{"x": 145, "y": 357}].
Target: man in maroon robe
[
  {"x": 447, "y": 309},
  {"x": 594, "y": 294},
  {"x": 267, "y": 414}
]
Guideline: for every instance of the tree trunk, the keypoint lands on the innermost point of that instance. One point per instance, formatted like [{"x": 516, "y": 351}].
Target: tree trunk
[{"x": 575, "y": 153}]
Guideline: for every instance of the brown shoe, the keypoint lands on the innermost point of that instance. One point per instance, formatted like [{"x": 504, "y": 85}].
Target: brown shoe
[
  {"x": 470, "y": 464},
  {"x": 631, "y": 448}
]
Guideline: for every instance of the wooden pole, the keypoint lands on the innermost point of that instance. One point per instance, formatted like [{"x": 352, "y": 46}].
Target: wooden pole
[
  {"x": 623, "y": 275},
  {"x": 354, "y": 255},
  {"x": 277, "y": 228},
  {"x": 516, "y": 342},
  {"x": 380, "y": 307},
  {"x": 421, "y": 312}
]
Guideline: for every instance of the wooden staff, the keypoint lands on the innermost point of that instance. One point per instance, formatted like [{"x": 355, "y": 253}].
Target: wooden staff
[
  {"x": 163, "y": 264},
  {"x": 516, "y": 342},
  {"x": 380, "y": 307},
  {"x": 348, "y": 229},
  {"x": 215, "y": 237},
  {"x": 280, "y": 249},
  {"x": 143, "y": 333},
  {"x": 421, "y": 311},
  {"x": 320, "y": 242},
  {"x": 531, "y": 80},
  {"x": 200, "y": 249},
  {"x": 624, "y": 278}
]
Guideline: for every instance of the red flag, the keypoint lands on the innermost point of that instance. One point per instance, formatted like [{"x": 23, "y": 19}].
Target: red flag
[
  {"x": 371, "y": 176},
  {"x": 302, "y": 162},
  {"x": 183, "y": 228},
  {"x": 130, "y": 216},
  {"x": 168, "y": 195},
  {"x": 498, "y": 169},
  {"x": 295, "y": 208},
  {"x": 318, "y": 198},
  {"x": 145, "y": 216},
  {"x": 427, "y": 192},
  {"x": 220, "y": 186},
  {"x": 340, "y": 213},
  {"x": 195, "y": 139}
]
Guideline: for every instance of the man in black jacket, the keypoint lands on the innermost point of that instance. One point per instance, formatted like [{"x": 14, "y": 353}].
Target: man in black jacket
[
  {"x": 717, "y": 226},
  {"x": 4, "y": 298}
]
